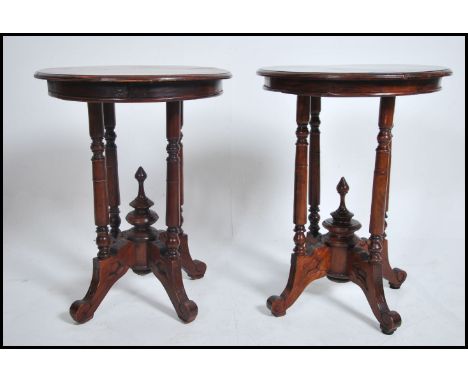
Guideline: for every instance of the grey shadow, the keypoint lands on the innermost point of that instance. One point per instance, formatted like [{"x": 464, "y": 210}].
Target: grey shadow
[
  {"x": 264, "y": 310},
  {"x": 169, "y": 311},
  {"x": 65, "y": 317},
  {"x": 353, "y": 312},
  {"x": 322, "y": 289}
]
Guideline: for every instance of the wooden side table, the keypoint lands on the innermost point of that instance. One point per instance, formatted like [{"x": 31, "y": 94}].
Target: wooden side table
[
  {"x": 340, "y": 254},
  {"x": 142, "y": 248}
]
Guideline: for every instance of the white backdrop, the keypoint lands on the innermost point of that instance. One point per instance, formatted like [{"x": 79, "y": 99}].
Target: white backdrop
[{"x": 239, "y": 160}]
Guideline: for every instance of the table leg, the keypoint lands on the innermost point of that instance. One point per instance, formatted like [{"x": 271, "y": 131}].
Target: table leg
[
  {"x": 101, "y": 203},
  {"x": 181, "y": 163},
  {"x": 314, "y": 168},
  {"x": 395, "y": 276},
  {"x": 368, "y": 274},
  {"x": 107, "y": 268},
  {"x": 186, "y": 309},
  {"x": 194, "y": 268},
  {"x": 112, "y": 169},
  {"x": 304, "y": 268}
]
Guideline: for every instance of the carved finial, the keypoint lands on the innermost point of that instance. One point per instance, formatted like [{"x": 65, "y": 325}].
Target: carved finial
[
  {"x": 140, "y": 176},
  {"x": 342, "y": 215},
  {"x": 342, "y": 187},
  {"x": 141, "y": 201},
  {"x": 142, "y": 218}
]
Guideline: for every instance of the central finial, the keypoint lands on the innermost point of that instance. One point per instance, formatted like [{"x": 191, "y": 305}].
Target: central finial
[
  {"x": 342, "y": 215},
  {"x": 140, "y": 176},
  {"x": 142, "y": 217},
  {"x": 342, "y": 187},
  {"x": 141, "y": 201}
]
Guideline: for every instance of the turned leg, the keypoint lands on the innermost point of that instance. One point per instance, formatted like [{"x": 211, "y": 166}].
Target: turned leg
[
  {"x": 371, "y": 268},
  {"x": 112, "y": 169},
  {"x": 107, "y": 270},
  {"x": 395, "y": 276},
  {"x": 304, "y": 268},
  {"x": 314, "y": 168},
  {"x": 186, "y": 309},
  {"x": 101, "y": 203},
  {"x": 300, "y": 175},
  {"x": 194, "y": 268}
]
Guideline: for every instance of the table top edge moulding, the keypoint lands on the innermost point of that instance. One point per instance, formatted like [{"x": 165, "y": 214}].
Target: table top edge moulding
[
  {"x": 354, "y": 80},
  {"x": 133, "y": 83}
]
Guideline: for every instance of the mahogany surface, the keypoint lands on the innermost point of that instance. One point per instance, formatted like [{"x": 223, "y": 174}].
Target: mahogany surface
[
  {"x": 133, "y": 83},
  {"x": 119, "y": 73},
  {"x": 142, "y": 248},
  {"x": 354, "y": 80},
  {"x": 340, "y": 254}
]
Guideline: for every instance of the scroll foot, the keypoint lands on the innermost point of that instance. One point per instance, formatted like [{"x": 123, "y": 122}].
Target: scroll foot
[
  {"x": 168, "y": 271},
  {"x": 195, "y": 269},
  {"x": 368, "y": 276},
  {"x": 304, "y": 270},
  {"x": 395, "y": 276},
  {"x": 105, "y": 273}
]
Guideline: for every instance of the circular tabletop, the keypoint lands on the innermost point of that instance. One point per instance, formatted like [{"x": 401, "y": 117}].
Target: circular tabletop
[
  {"x": 133, "y": 83},
  {"x": 354, "y": 80},
  {"x": 132, "y": 73}
]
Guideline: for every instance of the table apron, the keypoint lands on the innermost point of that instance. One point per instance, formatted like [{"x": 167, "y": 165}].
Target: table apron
[
  {"x": 336, "y": 88},
  {"x": 133, "y": 92}
]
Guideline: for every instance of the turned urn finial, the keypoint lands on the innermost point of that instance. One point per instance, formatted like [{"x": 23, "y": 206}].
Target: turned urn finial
[
  {"x": 341, "y": 226},
  {"x": 141, "y": 201},
  {"x": 342, "y": 216},
  {"x": 140, "y": 176},
  {"x": 142, "y": 217}
]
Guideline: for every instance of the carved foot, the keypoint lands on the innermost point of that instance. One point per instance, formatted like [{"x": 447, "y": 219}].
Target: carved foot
[
  {"x": 105, "y": 273},
  {"x": 368, "y": 276},
  {"x": 195, "y": 269},
  {"x": 169, "y": 273},
  {"x": 390, "y": 322},
  {"x": 395, "y": 276},
  {"x": 304, "y": 270}
]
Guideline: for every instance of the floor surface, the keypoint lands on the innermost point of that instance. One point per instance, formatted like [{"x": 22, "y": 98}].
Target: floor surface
[{"x": 42, "y": 277}]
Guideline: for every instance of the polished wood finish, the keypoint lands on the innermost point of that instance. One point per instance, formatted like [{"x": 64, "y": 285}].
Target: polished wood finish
[
  {"x": 304, "y": 270},
  {"x": 356, "y": 72},
  {"x": 354, "y": 80},
  {"x": 340, "y": 254},
  {"x": 300, "y": 176},
  {"x": 133, "y": 84},
  {"x": 101, "y": 204},
  {"x": 173, "y": 220},
  {"x": 134, "y": 92},
  {"x": 314, "y": 168},
  {"x": 341, "y": 237},
  {"x": 112, "y": 169},
  {"x": 142, "y": 248},
  {"x": 129, "y": 73}
]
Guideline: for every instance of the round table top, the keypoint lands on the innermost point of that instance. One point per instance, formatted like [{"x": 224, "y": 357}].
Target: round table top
[
  {"x": 356, "y": 72},
  {"x": 133, "y": 83},
  {"x": 354, "y": 80},
  {"x": 145, "y": 74}
]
